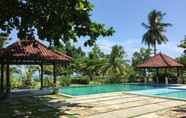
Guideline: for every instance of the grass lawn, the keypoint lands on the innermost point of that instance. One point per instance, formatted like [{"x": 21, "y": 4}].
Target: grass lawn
[{"x": 30, "y": 107}]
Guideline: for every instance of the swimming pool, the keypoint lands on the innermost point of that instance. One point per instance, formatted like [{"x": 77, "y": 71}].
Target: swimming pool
[
  {"x": 164, "y": 92},
  {"x": 87, "y": 90}
]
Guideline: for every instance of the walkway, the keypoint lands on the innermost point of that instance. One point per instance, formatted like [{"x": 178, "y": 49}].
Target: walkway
[{"x": 116, "y": 105}]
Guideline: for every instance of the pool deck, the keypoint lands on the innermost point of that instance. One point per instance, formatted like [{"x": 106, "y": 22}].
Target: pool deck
[{"x": 115, "y": 105}]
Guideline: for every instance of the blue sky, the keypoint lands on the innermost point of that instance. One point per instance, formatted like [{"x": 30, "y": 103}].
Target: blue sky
[{"x": 126, "y": 17}]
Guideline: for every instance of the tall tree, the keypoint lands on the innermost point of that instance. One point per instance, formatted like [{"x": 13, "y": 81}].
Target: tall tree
[
  {"x": 140, "y": 56},
  {"x": 155, "y": 30},
  {"x": 53, "y": 20},
  {"x": 183, "y": 45},
  {"x": 117, "y": 62},
  {"x": 92, "y": 64}
]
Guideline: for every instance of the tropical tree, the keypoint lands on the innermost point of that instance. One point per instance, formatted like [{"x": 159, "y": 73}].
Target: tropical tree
[
  {"x": 26, "y": 73},
  {"x": 183, "y": 45},
  {"x": 92, "y": 64},
  {"x": 155, "y": 30},
  {"x": 55, "y": 21},
  {"x": 117, "y": 63},
  {"x": 140, "y": 56}
]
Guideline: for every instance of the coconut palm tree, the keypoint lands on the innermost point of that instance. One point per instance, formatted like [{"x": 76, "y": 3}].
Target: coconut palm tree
[
  {"x": 116, "y": 64},
  {"x": 155, "y": 30}
]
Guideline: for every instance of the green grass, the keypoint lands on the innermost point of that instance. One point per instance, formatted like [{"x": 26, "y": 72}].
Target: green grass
[{"x": 30, "y": 107}]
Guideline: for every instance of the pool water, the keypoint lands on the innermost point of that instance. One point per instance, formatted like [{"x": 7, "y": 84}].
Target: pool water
[
  {"x": 164, "y": 92},
  {"x": 87, "y": 90},
  {"x": 141, "y": 89}
]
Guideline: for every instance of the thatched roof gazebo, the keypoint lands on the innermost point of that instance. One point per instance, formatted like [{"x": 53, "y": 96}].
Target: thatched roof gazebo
[
  {"x": 29, "y": 52},
  {"x": 161, "y": 61}
]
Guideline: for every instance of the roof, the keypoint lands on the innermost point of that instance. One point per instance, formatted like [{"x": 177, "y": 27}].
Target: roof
[
  {"x": 160, "y": 61},
  {"x": 31, "y": 51}
]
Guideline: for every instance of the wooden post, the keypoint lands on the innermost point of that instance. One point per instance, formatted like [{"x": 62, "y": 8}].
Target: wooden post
[
  {"x": 145, "y": 77},
  {"x": 2, "y": 78},
  {"x": 8, "y": 79},
  {"x": 157, "y": 75},
  {"x": 41, "y": 76},
  {"x": 178, "y": 72},
  {"x": 54, "y": 74},
  {"x": 166, "y": 77}
]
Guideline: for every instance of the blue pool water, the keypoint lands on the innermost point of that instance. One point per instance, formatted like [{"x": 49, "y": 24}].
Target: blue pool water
[
  {"x": 86, "y": 90},
  {"x": 142, "y": 89},
  {"x": 164, "y": 92}
]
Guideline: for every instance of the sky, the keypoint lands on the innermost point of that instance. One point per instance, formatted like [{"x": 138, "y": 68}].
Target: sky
[{"x": 126, "y": 16}]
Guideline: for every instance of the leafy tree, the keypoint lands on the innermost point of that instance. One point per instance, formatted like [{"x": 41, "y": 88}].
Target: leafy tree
[
  {"x": 155, "y": 29},
  {"x": 182, "y": 58},
  {"x": 140, "y": 56},
  {"x": 53, "y": 20},
  {"x": 96, "y": 53},
  {"x": 117, "y": 63},
  {"x": 3, "y": 38},
  {"x": 70, "y": 49},
  {"x": 26, "y": 73},
  {"x": 183, "y": 45},
  {"x": 92, "y": 64}
]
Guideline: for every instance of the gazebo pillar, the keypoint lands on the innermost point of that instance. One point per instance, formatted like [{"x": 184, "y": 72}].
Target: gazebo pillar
[
  {"x": 54, "y": 74},
  {"x": 41, "y": 76},
  {"x": 145, "y": 75},
  {"x": 2, "y": 78},
  {"x": 157, "y": 75},
  {"x": 166, "y": 78},
  {"x": 8, "y": 79}
]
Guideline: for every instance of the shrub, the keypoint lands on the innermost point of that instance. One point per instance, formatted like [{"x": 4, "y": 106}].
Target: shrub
[
  {"x": 80, "y": 80},
  {"x": 65, "y": 81}
]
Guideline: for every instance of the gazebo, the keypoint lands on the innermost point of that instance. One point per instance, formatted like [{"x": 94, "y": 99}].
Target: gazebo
[
  {"x": 29, "y": 52},
  {"x": 161, "y": 61}
]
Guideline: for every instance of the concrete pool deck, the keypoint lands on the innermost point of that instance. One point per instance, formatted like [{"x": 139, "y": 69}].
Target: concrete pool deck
[{"x": 115, "y": 105}]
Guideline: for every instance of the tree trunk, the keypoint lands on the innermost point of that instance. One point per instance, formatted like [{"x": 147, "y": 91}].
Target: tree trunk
[
  {"x": 155, "y": 49},
  {"x": 91, "y": 76}
]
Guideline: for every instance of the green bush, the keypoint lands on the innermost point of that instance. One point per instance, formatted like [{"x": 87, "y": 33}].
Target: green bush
[
  {"x": 16, "y": 83},
  {"x": 80, "y": 80},
  {"x": 65, "y": 81}
]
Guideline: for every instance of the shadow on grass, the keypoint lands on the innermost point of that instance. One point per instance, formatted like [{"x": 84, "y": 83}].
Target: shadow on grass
[{"x": 30, "y": 107}]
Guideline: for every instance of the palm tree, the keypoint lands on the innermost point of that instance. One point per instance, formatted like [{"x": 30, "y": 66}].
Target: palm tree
[
  {"x": 183, "y": 45},
  {"x": 155, "y": 30},
  {"x": 116, "y": 63}
]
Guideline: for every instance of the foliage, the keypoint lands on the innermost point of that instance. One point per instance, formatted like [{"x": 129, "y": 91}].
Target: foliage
[
  {"x": 65, "y": 81},
  {"x": 155, "y": 29},
  {"x": 140, "y": 56},
  {"x": 183, "y": 45},
  {"x": 3, "y": 38},
  {"x": 26, "y": 74},
  {"x": 117, "y": 63},
  {"x": 90, "y": 65},
  {"x": 80, "y": 80},
  {"x": 53, "y": 20}
]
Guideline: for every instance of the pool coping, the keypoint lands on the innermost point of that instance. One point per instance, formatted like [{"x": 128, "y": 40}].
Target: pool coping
[{"x": 122, "y": 92}]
